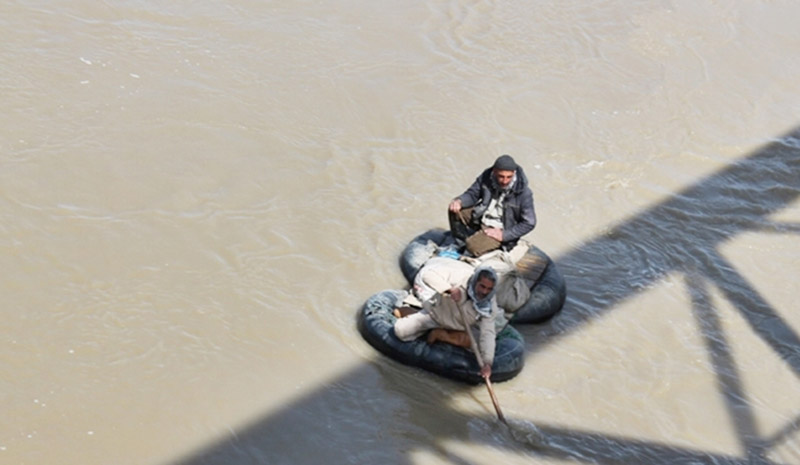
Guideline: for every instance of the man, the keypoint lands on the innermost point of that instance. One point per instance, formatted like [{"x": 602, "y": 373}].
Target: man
[
  {"x": 448, "y": 311},
  {"x": 495, "y": 211}
]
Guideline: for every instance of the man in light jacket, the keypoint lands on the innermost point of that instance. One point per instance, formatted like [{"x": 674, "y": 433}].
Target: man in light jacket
[{"x": 471, "y": 307}]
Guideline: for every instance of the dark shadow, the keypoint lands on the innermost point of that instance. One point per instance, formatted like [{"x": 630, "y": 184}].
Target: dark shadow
[
  {"x": 681, "y": 235},
  {"x": 780, "y": 228},
  {"x": 588, "y": 447},
  {"x": 786, "y": 432},
  {"x": 728, "y": 380}
]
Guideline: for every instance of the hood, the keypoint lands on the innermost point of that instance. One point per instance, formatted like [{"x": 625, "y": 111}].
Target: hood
[
  {"x": 483, "y": 306},
  {"x": 520, "y": 183}
]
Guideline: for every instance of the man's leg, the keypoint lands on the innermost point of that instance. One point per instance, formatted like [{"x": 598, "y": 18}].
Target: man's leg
[
  {"x": 456, "y": 338},
  {"x": 461, "y": 225},
  {"x": 413, "y": 326}
]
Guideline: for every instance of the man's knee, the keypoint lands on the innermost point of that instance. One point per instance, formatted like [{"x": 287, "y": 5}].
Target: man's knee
[
  {"x": 411, "y": 327},
  {"x": 463, "y": 216},
  {"x": 402, "y": 329},
  {"x": 461, "y": 223}
]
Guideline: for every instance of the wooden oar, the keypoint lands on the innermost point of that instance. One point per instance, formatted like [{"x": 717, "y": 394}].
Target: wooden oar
[
  {"x": 491, "y": 394},
  {"x": 480, "y": 364}
]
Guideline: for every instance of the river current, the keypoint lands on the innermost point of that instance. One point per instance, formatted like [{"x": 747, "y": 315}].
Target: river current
[{"x": 197, "y": 197}]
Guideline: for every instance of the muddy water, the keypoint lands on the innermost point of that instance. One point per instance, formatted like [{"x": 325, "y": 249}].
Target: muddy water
[{"x": 196, "y": 199}]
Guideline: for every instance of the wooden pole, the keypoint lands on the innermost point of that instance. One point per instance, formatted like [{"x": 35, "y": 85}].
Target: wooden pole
[{"x": 480, "y": 364}]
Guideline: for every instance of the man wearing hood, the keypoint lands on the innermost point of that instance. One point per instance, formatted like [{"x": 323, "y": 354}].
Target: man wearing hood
[
  {"x": 495, "y": 211},
  {"x": 473, "y": 303}
]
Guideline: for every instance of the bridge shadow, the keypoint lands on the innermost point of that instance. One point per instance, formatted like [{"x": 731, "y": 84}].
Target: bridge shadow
[{"x": 681, "y": 235}]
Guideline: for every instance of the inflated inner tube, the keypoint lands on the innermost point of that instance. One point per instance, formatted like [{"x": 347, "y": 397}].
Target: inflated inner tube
[
  {"x": 376, "y": 325},
  {"x": 548, "y": 293},
  {"x": 420, "y": 249}
]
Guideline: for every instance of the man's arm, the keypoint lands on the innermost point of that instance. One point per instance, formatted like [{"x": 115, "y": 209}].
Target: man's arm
[
  {"x": 487, "y": 339},
  {"x": 472, "y": 195},
  {"x": 526, "y": 218}
]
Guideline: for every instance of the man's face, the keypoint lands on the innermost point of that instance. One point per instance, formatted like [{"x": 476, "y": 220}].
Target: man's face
[
  {"x": 483, "y": 288},
  {"x": 503, "y": 177}
]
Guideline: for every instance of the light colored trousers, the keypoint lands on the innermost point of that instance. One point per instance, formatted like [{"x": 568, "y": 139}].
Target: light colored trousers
[
  {"x": 448, "y": 316},
  {"x": 413, "y": 326}
]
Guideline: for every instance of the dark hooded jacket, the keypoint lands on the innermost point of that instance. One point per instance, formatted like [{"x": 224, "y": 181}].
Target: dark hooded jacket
[{"x": 519, "y": 216}]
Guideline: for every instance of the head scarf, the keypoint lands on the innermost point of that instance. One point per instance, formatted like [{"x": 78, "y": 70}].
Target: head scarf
[{"x": 483, "y": 306}]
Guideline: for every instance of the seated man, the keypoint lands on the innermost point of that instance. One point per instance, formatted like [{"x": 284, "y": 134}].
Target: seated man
[
  {"x": 461, "y": 308},
  {"x": 495, "y": 211}
]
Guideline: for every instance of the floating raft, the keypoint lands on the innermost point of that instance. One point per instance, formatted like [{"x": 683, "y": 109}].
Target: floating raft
[
  {"x": 548, "y": 290},
  {"x": 376, "y": 325}
]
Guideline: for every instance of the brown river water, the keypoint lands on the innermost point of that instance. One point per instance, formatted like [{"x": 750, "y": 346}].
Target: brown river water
[{"x": 197, "y": 197}]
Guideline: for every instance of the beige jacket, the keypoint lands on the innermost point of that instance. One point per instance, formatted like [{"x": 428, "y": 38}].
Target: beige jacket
[{"x": 448, "y": 314}]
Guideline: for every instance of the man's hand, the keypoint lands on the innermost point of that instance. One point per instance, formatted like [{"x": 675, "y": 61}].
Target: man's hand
[
  {"x": 494, "y": 233},
  {"x": 486, "y": 371},
  {"x": 455, "y": 206},
  {"x": 455, "y": 293}
]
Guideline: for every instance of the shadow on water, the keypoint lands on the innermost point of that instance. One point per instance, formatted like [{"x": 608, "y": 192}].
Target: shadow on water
[{"x": 681, "y": 235}]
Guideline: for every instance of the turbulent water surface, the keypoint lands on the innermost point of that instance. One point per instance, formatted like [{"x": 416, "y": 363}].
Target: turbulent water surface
[{"x": 197, "y": 197}]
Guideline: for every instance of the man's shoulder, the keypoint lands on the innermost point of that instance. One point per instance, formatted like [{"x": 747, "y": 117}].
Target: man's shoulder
[
  {"x": 522, "y": 186},
  {"x": 486, "y": 176}
]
